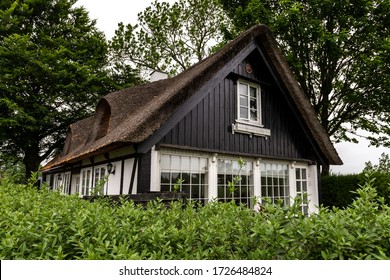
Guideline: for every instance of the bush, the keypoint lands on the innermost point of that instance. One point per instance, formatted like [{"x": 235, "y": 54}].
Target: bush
[
  {"x": 42, "y": 224},
  {"x": 340, "y": 190}
]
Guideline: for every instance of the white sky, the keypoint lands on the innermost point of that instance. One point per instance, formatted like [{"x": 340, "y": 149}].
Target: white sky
[{"x": 109, "y": 13}]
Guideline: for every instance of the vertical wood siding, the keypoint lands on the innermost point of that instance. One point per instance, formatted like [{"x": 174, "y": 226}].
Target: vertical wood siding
[{"x": 208, "y": 125}]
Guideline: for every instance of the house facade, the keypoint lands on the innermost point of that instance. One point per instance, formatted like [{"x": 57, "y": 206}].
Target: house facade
[{"x": 239, "y": 112}]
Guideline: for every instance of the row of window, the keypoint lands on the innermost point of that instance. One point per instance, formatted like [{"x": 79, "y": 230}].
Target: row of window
[{"x": 235, "y": 179}]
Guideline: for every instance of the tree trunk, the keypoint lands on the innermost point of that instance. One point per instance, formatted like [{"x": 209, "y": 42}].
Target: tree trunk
[
  {"x": 31, "y": 161},
  {"x": 325, "y": 170}
]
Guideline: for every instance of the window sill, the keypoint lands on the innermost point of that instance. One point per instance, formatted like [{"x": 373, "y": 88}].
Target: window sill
[{"x": 250, "y": 129}]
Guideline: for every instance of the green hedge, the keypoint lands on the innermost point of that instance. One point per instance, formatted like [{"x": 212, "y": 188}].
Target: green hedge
[
  {"x": 340, "y": 190},
  {"x": 47, "y": 225}
]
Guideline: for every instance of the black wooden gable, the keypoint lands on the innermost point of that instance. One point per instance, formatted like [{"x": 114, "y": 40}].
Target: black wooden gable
[{"x": 207, "y": 125}]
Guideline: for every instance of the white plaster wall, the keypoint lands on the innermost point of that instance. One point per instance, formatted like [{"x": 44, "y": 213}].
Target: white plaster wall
[
  {"x": 129, "y": 163},
  {"x": 313, "y": 189},
  {"x": 114, "y": 180}
]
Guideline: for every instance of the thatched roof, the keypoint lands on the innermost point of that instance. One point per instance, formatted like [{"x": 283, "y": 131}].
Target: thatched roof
[{"x": 131, "y": 115}]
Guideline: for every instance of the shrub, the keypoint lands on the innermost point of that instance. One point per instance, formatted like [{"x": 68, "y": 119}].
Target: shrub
[
  {"x": 339, "y": 190},
  {"x": 42, "y": 224}
]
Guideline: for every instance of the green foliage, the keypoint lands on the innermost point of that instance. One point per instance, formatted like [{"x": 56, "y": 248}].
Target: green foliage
[
  {"x": 383, "y": 165},
  {"x": 12, "y": 168},
  {"x": 339, "y": 52},
  {"x": 232, "y": 185},
  {"x": 169, "y": 37},
  {"x": 42, "y": 224},
  {"x": 339, "y": 190}
]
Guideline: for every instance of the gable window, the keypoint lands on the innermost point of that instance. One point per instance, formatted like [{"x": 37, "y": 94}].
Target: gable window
[
  {"x": 248, "y": 102},
  {"x": 248, "y": 118}
]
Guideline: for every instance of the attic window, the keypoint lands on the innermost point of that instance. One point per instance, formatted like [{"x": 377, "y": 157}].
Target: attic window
[
  {"x": 248, "y": 102},
  {"x": 249, "y": 109}
]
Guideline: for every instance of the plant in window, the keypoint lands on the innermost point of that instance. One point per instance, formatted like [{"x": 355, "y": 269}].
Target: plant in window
[
  {"x": 236, "y": 179},
  {"x": 177, "y": 185},
  {"x": 99, "y": 188}
]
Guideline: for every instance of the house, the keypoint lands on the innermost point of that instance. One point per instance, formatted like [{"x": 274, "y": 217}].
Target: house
[{"x": 240, "y": 103}]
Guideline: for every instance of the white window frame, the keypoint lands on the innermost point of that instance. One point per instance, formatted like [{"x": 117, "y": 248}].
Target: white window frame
[
  {"x": 246, "y": 125},
  {"x": 177, "y": 153},
  {"x": 248, "y": 119},
  {"x": 100, "y": 172},
  {"x": 247, "y": 170},
  {"x": 57, "y": 181},
  {"x": 283, "y": 181},
  {"x": 281, "y": 176},
  {"x": 301, "y": 184},
  {"x": 86, "y": 181},
  {"x": 66, "y": 182}
]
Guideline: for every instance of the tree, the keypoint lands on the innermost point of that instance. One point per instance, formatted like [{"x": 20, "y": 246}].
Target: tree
[
  {"x": 383, "y": 165},
  {"x": 52, "y": 71},
  {"x": 169, "y": 38},
  {"x": 339, "y": 51}
]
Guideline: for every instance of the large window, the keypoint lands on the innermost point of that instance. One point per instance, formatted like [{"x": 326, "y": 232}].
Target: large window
[
  {"x": 249, "y": 102},
  {"x": 186, "y": 174},
  {"x": 242, "y": 190},
  {"x": 211, "y": 176},
  {"x": 275, "y": 182}
]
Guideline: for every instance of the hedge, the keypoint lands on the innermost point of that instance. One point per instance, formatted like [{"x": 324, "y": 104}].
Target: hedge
[
  {"x": 340, "y": 190},
  {"x": 42, "y": 224}
]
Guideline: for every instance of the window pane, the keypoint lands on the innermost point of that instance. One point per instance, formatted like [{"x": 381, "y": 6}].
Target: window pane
[
  {"x": 253, "y": 103},
  {"x": 175, "y": 177},
  {"x": 195, "y": 179},
  {"x": 243, "y": 89},
  {"x": 303, "y": 173},
  {"x": 203, "y": 164},
  {"x": 185, "y": 163},
  {"x": 297, "y": 173},
  {"x": 186, "y": 189},
  {"x": 235, "y": 167},
  {"x": 175, "y": 163},
  {"x": 165, "y": 163},
  {"x": 243, "y": 101},
  {"x": 253, "y": 92},
  {"x": 186, "y": 177},
  {"x": 298, "y": 186},
  {"x": 253, "y": 115},
  {"x": 221, "y": 166},
  {"x": 243, "y": 112},
  {"x": 195, "y": 192},
  {"x": 164, "y": 177},
  {"x": 195, "y": 164},
  {"x": 304, "y": 186}
]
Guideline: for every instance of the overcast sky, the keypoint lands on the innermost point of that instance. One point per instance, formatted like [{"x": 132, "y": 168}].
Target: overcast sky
[{"x": 109, "y": 13}]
